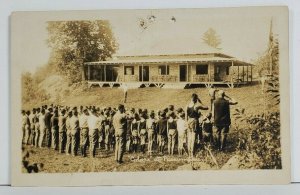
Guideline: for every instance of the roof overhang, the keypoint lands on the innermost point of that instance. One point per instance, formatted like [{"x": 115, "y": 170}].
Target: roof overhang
[{"x": 154, "y": 61}]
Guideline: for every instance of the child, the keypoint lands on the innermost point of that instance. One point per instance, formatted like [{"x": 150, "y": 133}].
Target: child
[
  {"x": 171, "y": 130},
  {"x": 150, "y": 125},
  {"x": 142, "y": 131},
  {"x": 162, "y": 132},
  {"x": 207, "y": 129},
  {"x": 134, "y": 133},
  {"x": 181, "y": 129}
]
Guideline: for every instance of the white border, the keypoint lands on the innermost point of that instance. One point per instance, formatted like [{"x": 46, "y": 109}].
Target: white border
[{"x": 6, "y": 7}]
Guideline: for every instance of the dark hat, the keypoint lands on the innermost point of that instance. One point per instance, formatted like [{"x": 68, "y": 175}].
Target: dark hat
[
  {"x": 162, "y": 114},
  {"x": 171, "y": 107},
  {"x": 179, "y": 110},
  {"x": 171, "y": 114},
  {"x": 182, "y": 114}
]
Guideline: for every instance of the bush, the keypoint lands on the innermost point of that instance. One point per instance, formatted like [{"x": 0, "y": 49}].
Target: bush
[{"x": 260, "y": 137}]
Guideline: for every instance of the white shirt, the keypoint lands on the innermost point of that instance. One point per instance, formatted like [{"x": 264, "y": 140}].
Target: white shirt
[
  {"x": 149, "y": 123},
  {"x": 181, "y": 126},
  {"x": 93, "y": 122},
  {"x": 42, "y": 121},
  {"x": 83, "y": 121}
]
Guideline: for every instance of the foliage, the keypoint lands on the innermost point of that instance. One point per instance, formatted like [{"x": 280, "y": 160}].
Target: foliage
[
  {"x": 273, "y": 89},
  {"x": 75, "y": 42},
  {"x": 211, "y": 38},
  {"x": 30, "y": 90},
  {"x": 268, "y": 62},
  {"x": 259, "y": 139}
]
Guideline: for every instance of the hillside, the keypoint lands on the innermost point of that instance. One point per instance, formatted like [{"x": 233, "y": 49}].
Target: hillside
[{"x": 249, "y": 97}]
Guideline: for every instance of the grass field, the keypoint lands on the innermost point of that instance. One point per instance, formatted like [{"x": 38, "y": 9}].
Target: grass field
[{"x": 249, "y": 97}]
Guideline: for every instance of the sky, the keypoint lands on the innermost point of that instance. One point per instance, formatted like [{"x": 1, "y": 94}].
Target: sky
[{"x": 244, "y": 31}]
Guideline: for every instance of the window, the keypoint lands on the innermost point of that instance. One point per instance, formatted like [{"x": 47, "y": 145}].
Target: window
[
  {"x": 163, "y": 70},
  {"x": 202, "y": 69},
  {"x": 227, "y": 70},
  {"x": 129, "y": 70}
]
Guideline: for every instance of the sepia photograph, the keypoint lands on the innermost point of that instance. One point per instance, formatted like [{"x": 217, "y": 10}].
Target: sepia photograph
[{"x": 148, "y": 97}]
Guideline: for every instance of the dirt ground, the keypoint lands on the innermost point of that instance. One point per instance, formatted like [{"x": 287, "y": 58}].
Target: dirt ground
[{"x": 249, "y": 97}]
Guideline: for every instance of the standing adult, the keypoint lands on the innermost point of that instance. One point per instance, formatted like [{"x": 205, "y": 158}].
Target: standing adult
[
  {"x": 192, "y": 118},
  {"x": 42, "y": 128},
  {"x": 94, "y": 123},
  {"x": 54, "y": 129},
  {"x": 48, "y": 116},
  {"x": 119, "y": 123},
  {"x": 222, "y": 119},
  {"x": 69, "y": 133},
  {"x": 84, "y": 131},
  {"x": 25, "y": 126},
  {"x": 62, "y": 131},
  {"x": 75, "y": 132},
  {"x": 32, "y": 117}
]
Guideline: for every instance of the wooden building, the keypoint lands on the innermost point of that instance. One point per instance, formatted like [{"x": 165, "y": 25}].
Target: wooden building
[{"x": 169, "y": 70}]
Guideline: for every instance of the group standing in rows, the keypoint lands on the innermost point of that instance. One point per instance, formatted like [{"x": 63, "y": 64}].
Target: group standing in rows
[{"x": 73, "y": 129}]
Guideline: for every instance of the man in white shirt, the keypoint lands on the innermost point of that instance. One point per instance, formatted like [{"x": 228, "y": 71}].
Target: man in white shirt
[
  {"x": 94, "y": 123},
  {"x": 42, "y": 128},
  {"x": 32, "y": 127},
  {"x": 75, "y": 132},
  {"x": 120, "y": 125},
  {"x": 84, "y": 131}
]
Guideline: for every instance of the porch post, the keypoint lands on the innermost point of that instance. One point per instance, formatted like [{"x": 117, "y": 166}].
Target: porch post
[
  {"x": 142, "y": 72},
  {"x": 247, "y": 74},
  {"x": 123, "y": 73},
  {"x": 105, "y": 72},
  {"x": 137, "y": 72},
  {"x": 89, "y": 74},
  {"x": 231, "y": 74},
  {"x": 251, "y": 74},
  {"x": 243, "y": 73},
  {"x": 238, "y": 73},
  {"x": 187, "y": 71}
]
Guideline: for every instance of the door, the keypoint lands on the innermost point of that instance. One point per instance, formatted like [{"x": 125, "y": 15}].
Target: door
[
  {"x": 182, "y": 73},
  {"x": 143, "y": 73},
  {"x": 217, "y": 73}
]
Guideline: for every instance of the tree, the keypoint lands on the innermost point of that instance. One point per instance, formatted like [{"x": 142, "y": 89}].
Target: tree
[
  {"x": 31, "y": 93},
  {"x": 268, "y": 62},
  {"x": 28, "y": 87},
  {"x": 211, "y": 38},
  {"x": 75, "y": 42}
]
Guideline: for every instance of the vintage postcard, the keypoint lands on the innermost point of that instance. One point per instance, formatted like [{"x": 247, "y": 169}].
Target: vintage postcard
[{"x": 150, "y": 97}]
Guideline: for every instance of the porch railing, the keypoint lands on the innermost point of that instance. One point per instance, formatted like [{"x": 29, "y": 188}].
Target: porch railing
[
  {"x": 164, "y": 78},
  {"x": 128, "y": 78},
  {"x": 200, "y": 78}
]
